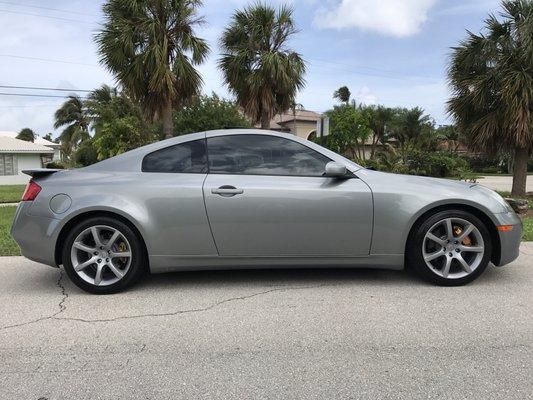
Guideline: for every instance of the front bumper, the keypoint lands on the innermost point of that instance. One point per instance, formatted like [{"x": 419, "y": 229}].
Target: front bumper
[
  {"x": 510, "y": 240},
  {"x": 36, "y": 236}
]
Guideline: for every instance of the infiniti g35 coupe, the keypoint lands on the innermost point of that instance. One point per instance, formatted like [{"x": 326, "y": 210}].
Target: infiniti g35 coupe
[{"x": 250, "y": 199}]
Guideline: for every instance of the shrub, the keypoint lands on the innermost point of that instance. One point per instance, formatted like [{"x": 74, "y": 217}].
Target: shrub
[
  {"x": 86, "y": 154},
  {"x": 55, "y": 165},
  {"x": 486, "y": 164},
  {"x": 438, "y": 164}
]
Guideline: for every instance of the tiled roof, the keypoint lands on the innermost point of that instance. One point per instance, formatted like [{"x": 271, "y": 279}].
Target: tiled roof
[
  {"x": 12, "y": 145},
  {"x": 301, "y": 115},
  {"x": 38, "y": 139}
]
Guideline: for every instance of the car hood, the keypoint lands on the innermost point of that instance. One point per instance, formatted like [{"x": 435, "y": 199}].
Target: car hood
[{"x": 435, "y": 190}]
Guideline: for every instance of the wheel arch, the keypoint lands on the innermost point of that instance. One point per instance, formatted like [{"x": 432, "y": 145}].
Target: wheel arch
[
  {"x": 91, "y": 214},
  {"x": 479, "y": 213}
]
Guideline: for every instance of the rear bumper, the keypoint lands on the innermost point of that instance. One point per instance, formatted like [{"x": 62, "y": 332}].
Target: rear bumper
[
  {"x": 510, "y": 240},
  {"x": 36, "y": 236}
]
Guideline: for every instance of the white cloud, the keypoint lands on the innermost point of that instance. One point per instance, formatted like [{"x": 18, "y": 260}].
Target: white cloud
[
  {"x": 399, "y": 18},
  {"x": 366, "y": 96}
]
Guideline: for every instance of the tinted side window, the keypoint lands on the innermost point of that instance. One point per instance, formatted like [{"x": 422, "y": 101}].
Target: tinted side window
[
  {"x": 187, "y": 157},
  {"x": 263, "y": 155}
]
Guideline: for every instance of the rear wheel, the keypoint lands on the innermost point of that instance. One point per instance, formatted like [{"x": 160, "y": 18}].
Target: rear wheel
[
  {"x": 450, "y": 248},
  {"x": 103, "y": 255}
]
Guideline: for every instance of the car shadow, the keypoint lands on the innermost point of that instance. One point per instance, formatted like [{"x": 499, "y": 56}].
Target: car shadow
[
  {"x": 46, "y": 280},
  {"x": 268, "y": 277},
  {"x": 300, "y": 276}
]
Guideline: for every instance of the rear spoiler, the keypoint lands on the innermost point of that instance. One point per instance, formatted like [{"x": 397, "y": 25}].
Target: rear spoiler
[{"x": 38, "y": 172}]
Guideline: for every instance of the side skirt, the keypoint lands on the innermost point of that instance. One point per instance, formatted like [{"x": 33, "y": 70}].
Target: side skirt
[{"x": 160, "y": 264}]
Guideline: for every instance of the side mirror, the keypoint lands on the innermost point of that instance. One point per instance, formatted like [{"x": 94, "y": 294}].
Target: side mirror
[{"x": 335, "y": 170}]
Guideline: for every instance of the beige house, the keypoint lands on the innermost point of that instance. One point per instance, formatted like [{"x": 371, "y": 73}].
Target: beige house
[{"x": 302, "y": 123}]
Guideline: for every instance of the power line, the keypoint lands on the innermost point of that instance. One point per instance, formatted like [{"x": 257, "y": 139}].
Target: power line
[
  {"x": 48, "y": 60},
  {"x": 31, "y": 106},
  {"x": 45, "y": 8},
  {"x": 36, "y": 95},
  {"x": 381, "y": 73},
  {"x": 44, "y": 88},
  {"x": 49, "y": 16}
]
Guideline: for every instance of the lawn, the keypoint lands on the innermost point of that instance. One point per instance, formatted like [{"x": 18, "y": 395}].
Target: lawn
[
  {"x": 11, "y": 193},
  {"x": 528, "y": 229},
  {"x": 528, "y": 198},
  {"x": 8, "y": 247}
]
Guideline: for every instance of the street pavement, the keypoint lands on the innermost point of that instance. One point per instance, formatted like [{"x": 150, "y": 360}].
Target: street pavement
[
  {"x": 285, "y": 334},
  {"x": 503, "y": 183}
]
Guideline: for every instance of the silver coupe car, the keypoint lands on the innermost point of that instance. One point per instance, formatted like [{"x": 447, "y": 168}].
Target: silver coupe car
[{"x": 255, "y": 199}]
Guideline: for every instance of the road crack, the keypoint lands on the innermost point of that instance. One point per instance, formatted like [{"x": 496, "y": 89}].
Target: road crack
[
  {"x": 61, "y": 305},
  {"x": 191, "y": 310}
]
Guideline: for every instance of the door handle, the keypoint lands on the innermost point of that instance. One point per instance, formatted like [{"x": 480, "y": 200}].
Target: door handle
[{"x": 227, "y": 191}]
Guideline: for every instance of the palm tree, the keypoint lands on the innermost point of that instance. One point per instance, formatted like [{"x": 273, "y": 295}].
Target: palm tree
[
  {"x": 257, "y": 66},
  {"x": 151, "y": 48},
  {"x": 412, "y": 128},
  {"x": 26, "y": 134},
  {"x": 74, "y": 116},
  {"x": 491, "y": 77},
  {"x": 108, "y": 103},
  {"x": 380, "y": 119},
  {"x": 342, "y": 94},
  {"x": 294, "y": 108}
]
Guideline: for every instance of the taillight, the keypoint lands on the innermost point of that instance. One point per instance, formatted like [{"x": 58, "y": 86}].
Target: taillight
[{"x": 31, "y": 192}]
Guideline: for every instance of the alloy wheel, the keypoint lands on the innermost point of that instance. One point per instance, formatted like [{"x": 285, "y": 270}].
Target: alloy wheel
[
  {"x": 101, "y": 255},
  {"x": 453, "y": 248}
]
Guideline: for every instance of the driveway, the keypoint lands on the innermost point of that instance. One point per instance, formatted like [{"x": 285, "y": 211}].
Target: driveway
[
  {"x": 503, "y": 183},
  {"x": 290, "y": 334}
]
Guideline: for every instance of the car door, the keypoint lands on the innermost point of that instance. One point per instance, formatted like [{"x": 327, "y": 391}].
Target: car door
[{"x": 265, "y": 196}]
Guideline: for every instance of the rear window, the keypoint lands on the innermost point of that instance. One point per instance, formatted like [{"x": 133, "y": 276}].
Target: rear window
[{"x": 186, "y": 158}]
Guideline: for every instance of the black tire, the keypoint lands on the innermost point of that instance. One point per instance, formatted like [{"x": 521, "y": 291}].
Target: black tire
[
  {"x": 414, "y": 254},
  {"x": 138, "y": 257}
]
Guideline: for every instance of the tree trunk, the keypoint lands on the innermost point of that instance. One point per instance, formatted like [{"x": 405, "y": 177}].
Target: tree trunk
[
  {"x": 519, "y": 172},
  {"x": 510, "y": 165},
  {"x": 374, "y": 144},
  {"x": 168, "y": 126},
  {"x": 265, "y": 119}
]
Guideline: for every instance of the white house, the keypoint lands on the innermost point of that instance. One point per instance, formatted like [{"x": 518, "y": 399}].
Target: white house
[
  {"x": 17, "y": 155},
  {"x": 39, "y": 140}
]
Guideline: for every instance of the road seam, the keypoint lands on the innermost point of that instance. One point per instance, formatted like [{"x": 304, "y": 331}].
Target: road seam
[{"x": 62, "y": 306}]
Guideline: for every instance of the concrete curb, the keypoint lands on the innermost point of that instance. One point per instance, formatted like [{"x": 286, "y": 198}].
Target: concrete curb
[{"x": 8, "y": 204}]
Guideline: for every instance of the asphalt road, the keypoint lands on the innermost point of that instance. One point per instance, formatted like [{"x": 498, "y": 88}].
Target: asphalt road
[{"x": 293, "y": 334}]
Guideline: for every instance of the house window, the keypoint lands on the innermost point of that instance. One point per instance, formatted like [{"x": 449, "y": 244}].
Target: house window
[{"x": 8, "y": 164}]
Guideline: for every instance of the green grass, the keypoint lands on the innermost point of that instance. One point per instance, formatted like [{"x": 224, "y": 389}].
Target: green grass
[
  {"x": 8, "y": 247},
  {"x": 11, "y": 193},
  {"x": 528, "y": 229},
  {"x": 528, "y": 198},
  {"x": 497, "y": 174}
]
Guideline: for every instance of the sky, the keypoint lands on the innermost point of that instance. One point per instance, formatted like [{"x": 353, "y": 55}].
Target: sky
[{"x": 390, "y": 52}]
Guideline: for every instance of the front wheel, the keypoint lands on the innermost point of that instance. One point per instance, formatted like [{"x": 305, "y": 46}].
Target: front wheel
[
  {"x": 450, "y": 248},
  {"x": 103, "y": 255}
]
